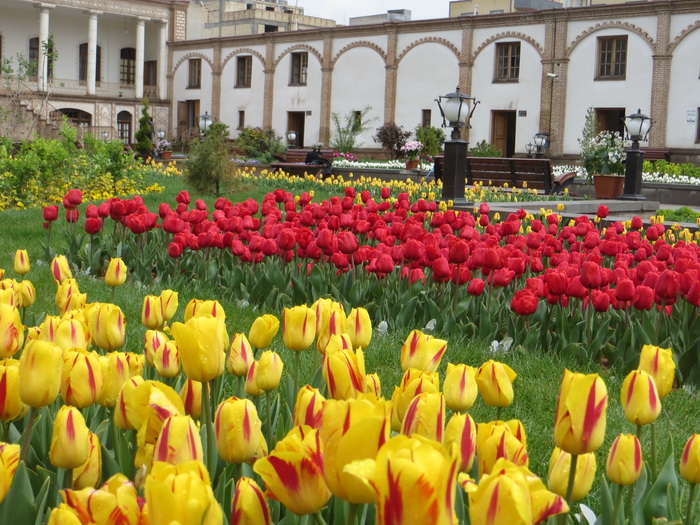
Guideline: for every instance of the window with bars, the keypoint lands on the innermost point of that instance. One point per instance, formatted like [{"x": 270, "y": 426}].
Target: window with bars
[
  {"x": 127, "y": 66},
  {"x": 244, "y": 71},
  {"x": 34, "y": 58},
  {"x": 300, "y": 66},
  {"x": 426, "y": 118},
  {"x": 612, "y": 58},
  {"x": 194, "y": 78},
  {"x": 241, "y": 119},
  {"x": 507, "y": 62},
  {"x": 83, "y": 63}
]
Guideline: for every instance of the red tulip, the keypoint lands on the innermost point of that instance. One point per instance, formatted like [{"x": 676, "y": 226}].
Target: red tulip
[
  {"x": 72, "y": 215},
  {"x": 524, "y": 302},
  {"x": 93, "y": 225},
  {"x": 667, "y": 285},
  {"x": 72, "y": 199},
  {"x": 50, "y": 213},
  {"x": 476, "y": 287}
]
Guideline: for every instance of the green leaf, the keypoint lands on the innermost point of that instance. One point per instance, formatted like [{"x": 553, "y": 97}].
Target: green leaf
[
  {"x": 657, "y": 502},
  {"x": 606, "y": 503},
  {"x": 18, "y": 506}
]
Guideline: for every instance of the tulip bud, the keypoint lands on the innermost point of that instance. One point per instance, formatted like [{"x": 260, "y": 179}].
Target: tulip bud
[
  {"x": 263, "y": 330},
  {"x": 191, "y": 395},
  {"x": 251, "y": 385},
  {"x": 269, "y": 371},
  {"x": 460, "y": 440},
  {"x": 249, "y": 504},
  {"x": 343, "y": 372},
  {"x": 169, "y": 303},
  {"x": 116, "y": 272},
  {"x": 460, "y": 387},
  {"x": 89, "y": 473},
  {"x": 658, "y": 362},
  {"x": 11, "y": 331},
  {"x": 240, "y": 355},
  {"x": 197, "y": 308},
  {"x": 107, "y": 326},
  {"x": 200, "y": 342},
  {"x": 152, "y": 341},
  {"x": 167, "y": 360},
  {"x": 70, "y": 444},
  {"x": 40, "y": 370},
  {"x": 639, "y": 397},
  {"x": 238, "y": 430},
  {"x": 22, "y": 265},
  {"x": 27, "y": 294},
  {"x": 64, "y": 291},
  {"x": 308, "y": 407},
  {"x": 11, "y": 405},
  {"x": 422, "y": 351},
  {"x": 495, "y": 382},
  {"x": 178, "y": 441},
  {"x": 373, "y": 385},
  {"x": 298, "y": 327},
  {"x": 625, "y": 463},
  {"x": 152, "y": 312},
  {"x": 81, "y": 380},
  {"x": 60, "y": 269},
  {"x": 559, "y": 468},
  {"x": 425, "y": 416},
  {"x": 125, "y": 416},
  {"x": 115, "y": 373},
  {"x": 135, "y": 362},
  {"x": 72, "y": 334},
  {"x": 359, "y": 328},
  {"x": 495, "y": 440},
  {"x": 690, "y": 460}
]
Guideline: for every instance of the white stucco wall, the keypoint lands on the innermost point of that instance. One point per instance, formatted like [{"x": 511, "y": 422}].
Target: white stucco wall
[
  {"x": 684, "y": 94},
  {"x": 235, "y": 99},
  {"x": 181, "y": 77}
]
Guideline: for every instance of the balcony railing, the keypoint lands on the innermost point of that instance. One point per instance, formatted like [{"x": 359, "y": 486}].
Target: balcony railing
[{"x": 73, "y": 87}]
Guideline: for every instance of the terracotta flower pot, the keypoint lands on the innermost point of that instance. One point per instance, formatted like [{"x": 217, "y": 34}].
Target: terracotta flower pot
[
  {"x": 412, "y": 164},
  {"x": 166, "y": 155},
  {"x": 608, "y": 186}
]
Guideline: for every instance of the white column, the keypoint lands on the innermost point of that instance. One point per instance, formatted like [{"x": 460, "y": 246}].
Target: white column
[
  {"x": 92, "y": 52},
  {"x": 162, "y": 60},
  {"x": 42, "y": 63},
  {"x": 140, "y": 44}
]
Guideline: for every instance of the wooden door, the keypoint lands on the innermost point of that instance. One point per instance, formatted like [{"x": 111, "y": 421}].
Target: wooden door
[
  {"x": 503, "y": 132},
  {"x": 295, "y": 122},
  {"x": 181, "y": 118}
]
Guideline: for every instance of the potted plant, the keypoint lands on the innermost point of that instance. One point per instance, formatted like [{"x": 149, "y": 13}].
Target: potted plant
[
  {"x": 164, "y": 149},
  {"x": 603, "y": 157},
  {"x": 413, "y": 150}
]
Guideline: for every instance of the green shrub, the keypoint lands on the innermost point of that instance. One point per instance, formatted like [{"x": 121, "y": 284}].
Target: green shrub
[
  {"x": 432, "y": 139},
  {"x": 209, "y": 167},
  {"x": 683, "y": 214},
  {"x": 671, "y": 168},
  {"x": 260, "y": 144},
  {"x": 391, "y": 137},
  {"x": 484, "y": 149},
  {"x": 346, "y": 132},
  {"x": 144, "y": 141}
]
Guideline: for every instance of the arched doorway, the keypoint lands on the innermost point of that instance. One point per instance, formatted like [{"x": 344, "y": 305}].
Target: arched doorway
[
  {"x": 80, "y": 118},
  {"x": 124, "y": 125}
]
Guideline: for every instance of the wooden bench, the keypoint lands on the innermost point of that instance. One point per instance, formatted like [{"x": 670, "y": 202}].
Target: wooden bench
[
  {"x": 498, "y": 171},
  {"x": 294, "y": 163},
  {"x": 654, "y": 154}
]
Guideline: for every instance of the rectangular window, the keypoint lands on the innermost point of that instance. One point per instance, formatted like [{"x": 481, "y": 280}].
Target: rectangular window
[
  {"x": 244, "y": 71},
  {"x": 612, "y": 58},
  {"x": 300, "y": 66},
  {"x": 426, "y": 118},
  {"x": 241, "y": 119},
  {"x": 507, "y": 62},
  {"x": 194, "y": 78},
  {"x": 127, "y": 66}
]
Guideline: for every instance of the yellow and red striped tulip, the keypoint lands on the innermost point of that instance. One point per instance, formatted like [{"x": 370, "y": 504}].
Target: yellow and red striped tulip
[
  {"x": 191, "y": 395},
  {"x": 559, "y": 468},
  {"x": 115, "y": 373},
  {"x": 152, "y": 312},
  {"x": 169, "y": 303},
  {"x": 579, "y": 422},
  {"x": 64, "y": 515},
  {"x": 9, "y": 296},
  {"x": 426, "y": 416},
  {"x": 60, "y": 269},
  {"x": 689, "y": 467},
  {"x": 198, "y": 308},
  {"x": 89, "y": 473},
  {"x": 11, "y": 331},
  {"x": 308, "y": 408},
  {"x": 373, "y": 384},
  {"x": 298, "y": 327},
  {"x": 135, "y": 362},
  {"x": 343, "y": 372},
  {"x": 249, "y": 504},
  {"x": 26, "y": 295},
  {"x": 460, "y": 440},
  {"x": 152, "y": 341},
  {"x": 70, "y": 442},
  {"x": 658, "y": 362},
  {"x": 460, "y": 387},
  {"x": 331, "y": 324},
  {"x": 625, "y": 463},
  {"x": 64, "y": 291},
  {"x": 116, "y": 272},
  {"x": 114, "y": 502},
  {"x": 513, "y": 495},
  {"x": 422, "y": 351},
  {"x": 40, "y": 370},
  {"x": 107, "y": 325},
  {"x": 496, "y": 440},
  {"x": 125, "y": 416},
  {"x": 640, "y": 399},
  {"x": 167, "y": 360},
  {"x": 295, "y": 477},
  {"x": 72, "y": 334},
  {"x": 251, "y": 384},
  {"x": 164, "y": 490},
  {"x": 269, "y": 371},
  {"x": 240, "y": 355},
  {"x": 414, "y": 481},
  {"x": 152, "y": 403},
  {"x": 75, "y": 301},
  {"x": 11, "y": 405},
  {"x": 178, "y": 441},
  {"x": 323, "y": 308},
  {"x": 200, "y": 342},
  {"x": 48, "y": 328},
  {"x": 263, "y": 330},
  {"x": 352, "y": 430},
  {"x": 238, "y": 430},
  {"x": 334, "y": 343},
  {"x": 359, "y": 327},
  {"x": 21, "y": 262},
  {"x": 81, "y": 379},
  {"x": 414, "y": 382},
  {"x": 9, "y": 461},
  {"x": 495, "y": 382}
]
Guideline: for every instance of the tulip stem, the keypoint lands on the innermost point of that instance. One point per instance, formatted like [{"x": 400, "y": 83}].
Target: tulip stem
[
  {"x": 653, "y": 451},
  {"x": 68, "y": 478},
  {"x": 498, "y": 413},
  {"x": 617, "y": 505},
  {"x": 241, "y": 387},
  {"x": 691, "y": 501},
  {"x": 269, "y": 419},
  {"x": 297, "y": 362},
  {"x": 28, "y": 434},
  {"x": 318, "y": 518},
  {"x": 352, "y": 514},
  {"x": 211, "y": 442},
  {"x": 570, "y": 486}
]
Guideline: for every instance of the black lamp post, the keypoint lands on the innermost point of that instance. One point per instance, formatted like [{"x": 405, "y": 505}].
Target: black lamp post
[
  {"x": 291, "y": 137},
  {"x": 541, "y": 144},
  {"x": 637, "y": 126},
  {"x": 529, "y": 149},
  {"x": 456, "y": 110},
  {"x": 204, "y": 122}
]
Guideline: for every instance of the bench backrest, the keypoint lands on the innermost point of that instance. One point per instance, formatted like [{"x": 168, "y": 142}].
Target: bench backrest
[
  {"x": 653, "y": 154},
  {"x": 511, "y": 171},
  {"x": 299, "y": 155}
]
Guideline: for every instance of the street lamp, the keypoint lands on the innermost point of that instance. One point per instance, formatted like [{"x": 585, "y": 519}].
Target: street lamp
[
  {"x": 291, "y": 137},
  {"x": 637, "y": 126},
  {"x": 529, "y": 149},
  {"x": 456, "y": 110},
  {"x": 161, "y": 134},
  {"x": 541, "y": 144},
  {"x": 105, "y": 135},
  {"x": 205, "y": 121}
]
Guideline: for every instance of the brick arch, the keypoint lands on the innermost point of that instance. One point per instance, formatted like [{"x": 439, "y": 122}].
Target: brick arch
[
  {"x": 429, "y": 40},
  {"x": 509, "y": 34},
  {"x": 243, "y": 51},
  {"x": 359, "y": 43},
  {"x": 612, "y": 25},
  {"x": 193, "y": 55},
  {"x": 682, "y": 35},
  {"x": 302, "y": 47}
]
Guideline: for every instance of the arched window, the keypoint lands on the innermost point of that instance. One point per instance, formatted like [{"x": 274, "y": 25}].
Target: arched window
[
  {"x": 124, "y": 126},
  {"x": 127, "y": 66},
  {"x": 78, "y": 117},
  {"x": 83, "y": 63}
]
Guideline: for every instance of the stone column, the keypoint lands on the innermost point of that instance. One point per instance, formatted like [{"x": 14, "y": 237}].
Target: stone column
[
  {"x": 553, "y": 88},
  {"x": 42, "y": 61},
  {"x": 324, "y": 132},
  {"x": 92, "y": 52},
  {"x": 391, "y": 77},
  {"x": 140, "y": 45},
  {"x": 162, "y": 59},
  {"x": 268, "y": 94},
  {"x": 216, "y": 83},
  {"x": 661, "y": 73}
]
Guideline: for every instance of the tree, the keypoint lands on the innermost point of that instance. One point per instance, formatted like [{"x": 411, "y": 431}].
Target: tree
[
  {"x": 209, "y": 166},
  {"x": 432, "y": 139},
  {"x": 391, "y": 137},
  {"x": 144, "y": 136},
  {"x": 353, "y": 125}
]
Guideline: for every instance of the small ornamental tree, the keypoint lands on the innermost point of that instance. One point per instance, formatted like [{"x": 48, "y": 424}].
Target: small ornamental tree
[
  {"x": 209, "y": 167},
  {"x": 144, "y": 136},
  {"x": 391, "y": 137},
  {"x": 432, "y": 139}
]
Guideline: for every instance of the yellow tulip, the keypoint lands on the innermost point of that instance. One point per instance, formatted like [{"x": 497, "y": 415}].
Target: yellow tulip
[
  {"x": 107, "y": 325},
  {"x": 40, "y": 369},
  {"x": 249, "y": 504},
  {"x": 251, "y": 384},
  {"x": 115, "y": 501},
  {"x": 343, "y": 372},
  {"x": 21, "y": 263},
  {"x": 64, "y": 515},
  {"x": 116, "y": 272},
  {"x": 422, "y": 351},
  {"x": 240, "y": 355},
  {"x": 308, "y": 408},
  {"x": 169, "y": 303},
  {"x": 495, "y": 440},
  {"x": 152, "y": 341},
  {"x": 334, "y": 343},
  {"x": 125, "y": 415},
  {"x": 658, "y": 362},
  {"x": 70, "y": 443},
  {"x": 152, "y": 312},
  {"x": 11, "y": 405},
  {"x": 60, "y": 269},
  {"x": 495, "y": 382},
  {"x": 198, "y": 308},
  {"x": 238, "y": 430},
  {"x": 332, "y": 323},
  {"x": 72, "y": 334},
  {"x": 460, "y": 440},
  {"x": 426, "y": 416},
  {"x": 115, "y": 372},
  {"x": 191, "y": 395},
  {"x": 9, "y": 461},
  {"x": 27, "y": 294},
  {"x": 152, "y": 403},
  {"x": 640, "y": 399},
  {"x": 81, "y": 380},
  {"x": 559, "y": 468},
  {"x": 178, "y": 441},
  {"x": 298, "y": 327},
  {"x": 373, "y": 385},
  {"x": 167, "y": 360},
  {"x": 624, "y": 465},
  {"x": 414, "y": 382},
  {"x": 89, "y": 473},
  {"x": 263, "y": 330},
  {"x": 689, "y": 467},
  {"x": 269, "y": 371},
  {"x": 135, "y": 362},
  {"x": 460, "y": 387},
  {"x": 11, "y": 331},
  {"x": 359, "y": 328},
  {"x": 200, "y": 342}
]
